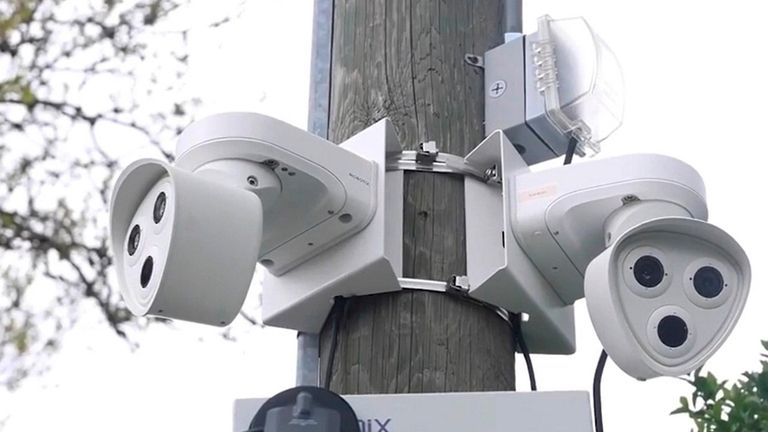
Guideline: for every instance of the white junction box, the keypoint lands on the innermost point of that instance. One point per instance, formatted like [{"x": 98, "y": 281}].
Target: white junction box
[{"x": 458, "y": 412}]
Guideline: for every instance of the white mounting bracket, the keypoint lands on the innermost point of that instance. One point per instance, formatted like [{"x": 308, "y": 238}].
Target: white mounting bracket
[
  {"x": 561, "y": 212},
  {"x": 367, "y": 263},
  {"x": 499, "y": 271},
  {"x": 322, "y": 193}
]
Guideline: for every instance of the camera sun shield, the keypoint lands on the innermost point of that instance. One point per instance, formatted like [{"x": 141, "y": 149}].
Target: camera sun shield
[
  {"x": 665, "y": 295},
  {"x": 185, "y": 247}
]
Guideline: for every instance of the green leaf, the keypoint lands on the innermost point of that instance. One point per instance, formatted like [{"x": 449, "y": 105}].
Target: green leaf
[
  {"x": 683, "y": 407},
  {"x": 28, "y": 98},
  {"x": 6, "y": 220}
]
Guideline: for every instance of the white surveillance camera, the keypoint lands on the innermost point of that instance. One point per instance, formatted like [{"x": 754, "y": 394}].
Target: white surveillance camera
[
  {"x": 185, "y": 246},
  {"x": 245, "y": 188},
  {"x": 665, "y": 295},
  {"x": 663, "y": 287}
]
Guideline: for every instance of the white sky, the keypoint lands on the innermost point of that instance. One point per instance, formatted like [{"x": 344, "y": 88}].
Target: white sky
[{"x": 695, "y": 85}]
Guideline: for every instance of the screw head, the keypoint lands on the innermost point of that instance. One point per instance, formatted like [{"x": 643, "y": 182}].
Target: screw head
[
  {"x": 629, "y": 199},
  {"x": 253, "y": 181},
  {"x": 271, "y": 163}
]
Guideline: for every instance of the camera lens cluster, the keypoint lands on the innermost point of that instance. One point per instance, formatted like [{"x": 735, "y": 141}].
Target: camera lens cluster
[
  {"x": 708, "y": 282},
  {"x": 134, "y": 239}
]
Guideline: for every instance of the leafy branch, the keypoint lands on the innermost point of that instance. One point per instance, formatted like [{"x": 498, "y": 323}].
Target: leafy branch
[{"x": 716, "y": 406}]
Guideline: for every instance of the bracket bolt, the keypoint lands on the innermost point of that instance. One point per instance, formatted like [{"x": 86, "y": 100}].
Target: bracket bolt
[
  {"x": 427, "y": 154},
  {"x": 459, "y": 283},
  {"x": 629, "y": 199},
  {"x": 492, "y": 174}
]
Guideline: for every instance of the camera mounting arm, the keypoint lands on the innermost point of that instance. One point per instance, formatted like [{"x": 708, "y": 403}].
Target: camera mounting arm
[
  {"x": 565, "y": 216},
  {"x": 315, "y": 193}
]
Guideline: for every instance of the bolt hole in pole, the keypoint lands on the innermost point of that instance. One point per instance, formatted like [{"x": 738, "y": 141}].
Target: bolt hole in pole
[{"x": 345, "y": 218}]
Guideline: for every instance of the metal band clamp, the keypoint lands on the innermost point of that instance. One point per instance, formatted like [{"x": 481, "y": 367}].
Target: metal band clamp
[{"x": 429, "y": 159}]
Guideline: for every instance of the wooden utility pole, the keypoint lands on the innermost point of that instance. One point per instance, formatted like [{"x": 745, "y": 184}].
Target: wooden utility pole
[{"x": 404, "y": 59}]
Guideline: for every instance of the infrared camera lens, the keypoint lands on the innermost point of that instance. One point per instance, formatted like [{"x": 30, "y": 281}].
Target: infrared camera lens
[
  {"x": 672, "y": 331},
  {"x": 159, "y": 210},
  {"x": 146, "y": 271},
  {"x": 648, "y": 271},
  {"x": 134, "y": 238},
  {"x": 708, "y": 282}
]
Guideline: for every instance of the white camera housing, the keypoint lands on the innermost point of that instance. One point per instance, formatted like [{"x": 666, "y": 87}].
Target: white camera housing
[
  {"x": 190, "y": 255},
  {"x": 671, "y": 317}
]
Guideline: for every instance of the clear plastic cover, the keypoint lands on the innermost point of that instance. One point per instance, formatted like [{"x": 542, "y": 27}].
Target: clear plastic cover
[{"x": 580, "y": 79}]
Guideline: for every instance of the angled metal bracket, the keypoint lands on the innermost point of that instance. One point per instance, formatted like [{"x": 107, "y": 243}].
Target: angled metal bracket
[{"x": 498, "y": 270}]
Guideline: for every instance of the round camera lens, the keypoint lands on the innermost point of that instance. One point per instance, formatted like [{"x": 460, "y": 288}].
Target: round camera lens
[
  {"x": 708, "y": 282},
  {"x": 134, "y": 238},
  {"x": 648, "y": 271},
  {"x": 159, "y": 210},
  {"x": 672, "y": 331},
  {"x": 146, "y": 271}
]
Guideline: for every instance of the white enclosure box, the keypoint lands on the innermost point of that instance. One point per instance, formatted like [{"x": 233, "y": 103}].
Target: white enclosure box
[
  {"x": 543, "y": 88},
  {"x": 458, "y": 412}
]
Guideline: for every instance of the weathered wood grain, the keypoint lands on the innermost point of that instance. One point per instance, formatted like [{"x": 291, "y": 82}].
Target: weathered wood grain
[{"x": 404, "y": 59}]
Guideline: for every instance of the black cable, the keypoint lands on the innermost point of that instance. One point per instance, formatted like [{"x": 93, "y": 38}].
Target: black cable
[
  {"x": 517, "y": 332},
  {"x": 596, "y": 396},
  {"x": 337, "y": 314},
  {"x": 573, "y": 142}
]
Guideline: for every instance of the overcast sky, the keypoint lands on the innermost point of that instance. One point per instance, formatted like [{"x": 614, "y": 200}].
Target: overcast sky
[{"x": 695, "y": 86}]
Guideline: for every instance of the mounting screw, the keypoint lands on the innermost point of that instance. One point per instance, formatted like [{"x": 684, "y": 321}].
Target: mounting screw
[
  {"x": 492, "y": 174},
  {"x": 497, "y": 88},
  {"x": 629, "y": 199},
  {"x": 474, "y": 60},
  {"x": 253, "y": 181},
  {"x": 271, "y": 163}
]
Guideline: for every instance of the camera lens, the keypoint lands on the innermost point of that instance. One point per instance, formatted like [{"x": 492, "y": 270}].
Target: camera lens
[
  {"x": 133, "y": 239},
  {"x": 648, "y": 271},
  {"x": 672, "y": 331},
  {"x": 159, "y": 210},
  {"x": 708, "y": 282},
  {"x": 146, "y": 271}
]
